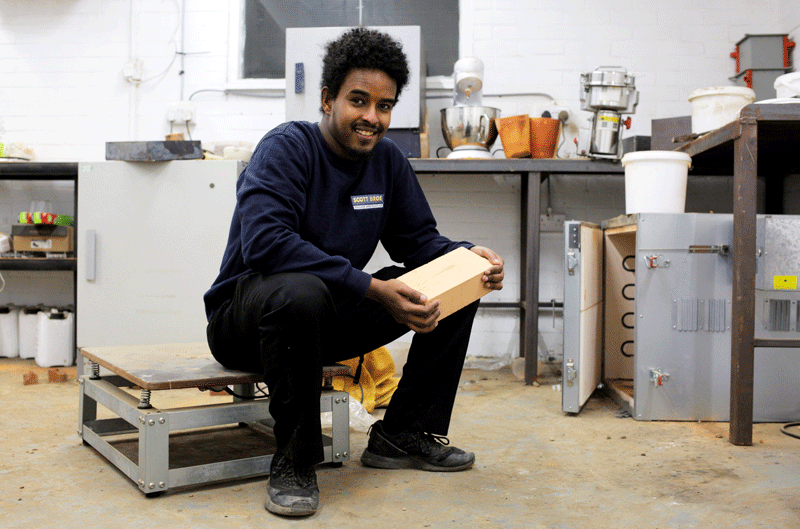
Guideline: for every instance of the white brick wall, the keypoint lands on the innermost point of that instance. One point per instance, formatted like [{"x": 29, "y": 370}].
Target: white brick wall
[{"x": 62, "y": 93}]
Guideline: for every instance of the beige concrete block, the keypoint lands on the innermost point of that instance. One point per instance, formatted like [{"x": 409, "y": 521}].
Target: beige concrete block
[{"x": 454, "y": 279}]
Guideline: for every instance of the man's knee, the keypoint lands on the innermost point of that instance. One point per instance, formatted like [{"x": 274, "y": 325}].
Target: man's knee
[{"x": 298, "y": 295}]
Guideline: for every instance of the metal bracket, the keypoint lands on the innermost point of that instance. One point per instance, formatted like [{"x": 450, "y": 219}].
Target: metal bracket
[
  {"x": 572, "y": 261},
  {"x": 658, "y": 377},
  {"x": 722, "y": 249},
  {"x": 656, "y": 261},
  {"x": 571, "y": 372}
]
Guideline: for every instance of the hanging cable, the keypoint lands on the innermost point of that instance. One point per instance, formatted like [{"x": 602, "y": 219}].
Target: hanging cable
[
  {"x": 259, "y": 393},
  {"x": 360, "y": 386}
]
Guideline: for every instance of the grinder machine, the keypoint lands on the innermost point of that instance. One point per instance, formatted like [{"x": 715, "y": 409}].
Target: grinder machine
[{"x": 609, "y": 92}]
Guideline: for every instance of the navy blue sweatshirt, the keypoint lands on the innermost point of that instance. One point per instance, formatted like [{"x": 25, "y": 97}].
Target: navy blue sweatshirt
[{"x": 302, "y": 208}]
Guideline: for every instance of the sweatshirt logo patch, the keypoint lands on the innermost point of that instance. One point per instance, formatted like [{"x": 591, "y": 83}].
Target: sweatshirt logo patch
[{"x": 367, "y": 201}]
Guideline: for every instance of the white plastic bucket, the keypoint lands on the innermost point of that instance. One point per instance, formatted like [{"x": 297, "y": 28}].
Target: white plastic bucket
[
  {"x": 717, "y": 106},
  {"x": 787, "y": 85},
  {"x": 9, "y": 335},
  {"x": 54, "y": 337},
  {"x": 655, "y": 181},
  {"x": 27, "y": 331}
]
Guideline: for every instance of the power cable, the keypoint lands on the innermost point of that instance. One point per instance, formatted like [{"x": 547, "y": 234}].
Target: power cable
[{"x": 785, "y": 429}]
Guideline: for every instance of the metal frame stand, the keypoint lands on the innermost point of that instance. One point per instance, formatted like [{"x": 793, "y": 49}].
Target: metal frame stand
[{"x": 153, "y": 427}]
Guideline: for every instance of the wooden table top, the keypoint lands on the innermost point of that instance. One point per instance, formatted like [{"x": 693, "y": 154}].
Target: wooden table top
[
  {"x": 175, "y": 366},
  {"x": 168, "y": 366}
]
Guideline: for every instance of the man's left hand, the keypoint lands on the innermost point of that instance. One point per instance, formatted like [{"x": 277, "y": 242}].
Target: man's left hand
[{"x": 493, "y": 278}]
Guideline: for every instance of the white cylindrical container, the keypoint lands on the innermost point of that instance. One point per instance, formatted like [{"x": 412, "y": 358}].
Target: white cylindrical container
[
  {"x": 787, "y": 85},
  {"x": 27, "y": 331},
  {"x": 54, "y": 337},
  {"x": 9, "y": 334},
  {"x": 717, "y": 106},
  {"x": 655, "y": 181}
]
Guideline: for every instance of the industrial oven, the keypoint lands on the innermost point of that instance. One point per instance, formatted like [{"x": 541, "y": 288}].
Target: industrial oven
[{"x": 647, "y": 315}]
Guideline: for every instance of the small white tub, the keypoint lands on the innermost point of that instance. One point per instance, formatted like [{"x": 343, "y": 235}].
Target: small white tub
[
  {"x": 717, "y": 106},
  {"x": 655, "y": 181}
]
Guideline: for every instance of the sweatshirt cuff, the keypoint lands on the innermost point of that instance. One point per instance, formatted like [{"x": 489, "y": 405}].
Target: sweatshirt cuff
[{"x": 357, "y": 283}]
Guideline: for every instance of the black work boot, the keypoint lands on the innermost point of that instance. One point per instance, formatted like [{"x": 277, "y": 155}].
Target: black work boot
[
  {"x": 413, "y": 450},
  {"x": 292, "y": 489}
]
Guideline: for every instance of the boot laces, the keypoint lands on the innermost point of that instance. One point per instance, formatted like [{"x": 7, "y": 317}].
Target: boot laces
[
  {"x": 294, "y": 475},
  {"x": 429, "y": 443}
]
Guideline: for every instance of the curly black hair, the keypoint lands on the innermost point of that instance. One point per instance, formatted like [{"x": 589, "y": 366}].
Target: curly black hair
[{"x": 363, "y": 48}]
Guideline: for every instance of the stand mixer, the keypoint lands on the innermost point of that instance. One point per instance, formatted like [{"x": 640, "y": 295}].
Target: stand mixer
[
  {"x": 468, "y": 127},
  {"x": 609, "y": 92}
]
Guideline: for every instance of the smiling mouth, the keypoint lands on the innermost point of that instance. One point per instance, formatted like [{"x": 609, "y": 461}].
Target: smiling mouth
[{"x": 365, "y": 133}]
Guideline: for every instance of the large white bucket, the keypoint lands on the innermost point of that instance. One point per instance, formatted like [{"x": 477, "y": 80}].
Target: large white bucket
[
  {"x": 717, "y": 106},
  {"x": 655, "y": 181},
  {"x": 787, "y": 85}
]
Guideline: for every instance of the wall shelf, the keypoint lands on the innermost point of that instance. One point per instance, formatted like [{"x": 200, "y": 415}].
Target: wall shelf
[
  {"x": 33, "y": 172},
  {"x": 37, "y": 263},
  {"x": 38, "y": 171}
]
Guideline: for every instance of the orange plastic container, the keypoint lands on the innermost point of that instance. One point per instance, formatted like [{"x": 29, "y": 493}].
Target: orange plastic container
[
  {"x": 544, "y": 137},
  {"x": 515, "y": 133}
]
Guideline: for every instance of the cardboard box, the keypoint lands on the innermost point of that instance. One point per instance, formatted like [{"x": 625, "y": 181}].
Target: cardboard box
[
  {"x": 43, "y": 238},
  {"x": 454, "y": 279}
]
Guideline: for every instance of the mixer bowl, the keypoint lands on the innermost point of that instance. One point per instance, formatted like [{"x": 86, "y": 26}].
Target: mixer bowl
[{"x": 469, "y": 126}]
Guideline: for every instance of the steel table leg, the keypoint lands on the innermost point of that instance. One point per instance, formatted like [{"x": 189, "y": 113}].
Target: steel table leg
[{"x": 744, "y": 272}]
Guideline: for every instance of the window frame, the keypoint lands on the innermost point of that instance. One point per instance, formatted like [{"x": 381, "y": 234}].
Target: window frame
[{"x": 235, "y": 82}]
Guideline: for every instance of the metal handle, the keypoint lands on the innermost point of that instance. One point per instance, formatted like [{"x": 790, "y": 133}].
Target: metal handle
[
  {"x": 488, "y": 124},
  {"x": 90, "y": 251}
]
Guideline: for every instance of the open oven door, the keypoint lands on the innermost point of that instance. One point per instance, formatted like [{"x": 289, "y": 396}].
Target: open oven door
[{"x": 583, "y": 313}]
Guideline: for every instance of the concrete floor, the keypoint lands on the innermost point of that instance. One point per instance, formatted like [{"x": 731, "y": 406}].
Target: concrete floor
[{"x": 536, "y": 468}]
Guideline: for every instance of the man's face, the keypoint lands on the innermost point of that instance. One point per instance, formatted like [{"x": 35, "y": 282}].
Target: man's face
[{"x": 356, "y": 120}]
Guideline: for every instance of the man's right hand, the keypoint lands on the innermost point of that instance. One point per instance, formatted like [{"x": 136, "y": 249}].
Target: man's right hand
[{"x": 406, "y": 305}]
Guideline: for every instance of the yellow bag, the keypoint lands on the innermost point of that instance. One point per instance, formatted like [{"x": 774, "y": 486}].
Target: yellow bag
[{"x": 378, "y": 380}]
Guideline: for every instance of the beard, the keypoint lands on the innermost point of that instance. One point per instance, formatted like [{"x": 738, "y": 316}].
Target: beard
[{"x": 362, "y": 154}]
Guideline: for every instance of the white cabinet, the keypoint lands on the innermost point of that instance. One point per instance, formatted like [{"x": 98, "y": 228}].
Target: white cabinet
[{"x": 152, "y": 237}]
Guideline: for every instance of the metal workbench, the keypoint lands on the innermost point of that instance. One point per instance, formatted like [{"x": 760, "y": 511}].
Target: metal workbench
[
  {"x": 763, "y": 142},
  {"x": 529, "y": 170}
]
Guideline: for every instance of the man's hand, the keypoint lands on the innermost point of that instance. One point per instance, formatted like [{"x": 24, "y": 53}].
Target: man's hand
[
  {"x": 406, "y": 305},
  {"x": 493, "y": 278}
]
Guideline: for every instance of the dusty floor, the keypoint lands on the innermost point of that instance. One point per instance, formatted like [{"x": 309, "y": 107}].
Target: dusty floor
[{"x": 536, "y": 467}]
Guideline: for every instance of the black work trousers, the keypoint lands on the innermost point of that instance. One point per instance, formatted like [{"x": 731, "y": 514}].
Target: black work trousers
[{"x": 288, "y": 326}]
